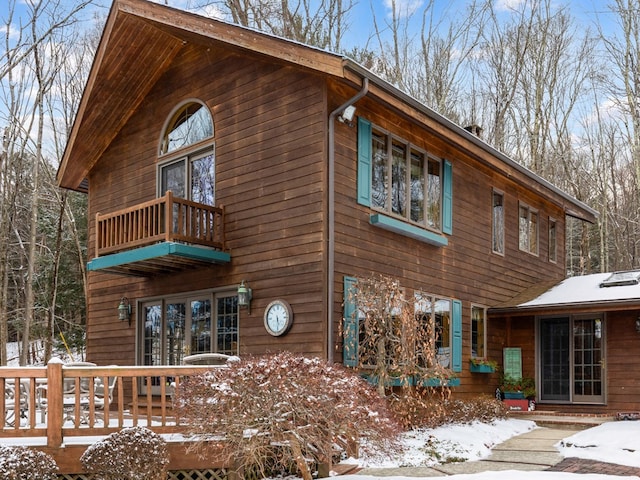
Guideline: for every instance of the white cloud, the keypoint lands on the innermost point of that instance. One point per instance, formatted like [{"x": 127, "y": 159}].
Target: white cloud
[
  {"x": 508, "y": 5},
  {"x": 404, "y": 8}
]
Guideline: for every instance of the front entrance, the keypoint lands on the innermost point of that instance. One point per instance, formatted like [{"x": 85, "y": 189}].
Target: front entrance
[
  {"x": 175, "y": 327},
  {"x": 571, "y": 359}
]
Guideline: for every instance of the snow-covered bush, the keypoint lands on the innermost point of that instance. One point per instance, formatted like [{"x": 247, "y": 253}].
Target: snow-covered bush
[
  {"x": 22, "y": 463},
  {"x": 276, "y": 414},
  {"x": 130, "y": 454}
]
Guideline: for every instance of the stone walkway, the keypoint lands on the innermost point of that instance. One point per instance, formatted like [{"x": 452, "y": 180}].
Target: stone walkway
[{"x": 531, "y": 451}]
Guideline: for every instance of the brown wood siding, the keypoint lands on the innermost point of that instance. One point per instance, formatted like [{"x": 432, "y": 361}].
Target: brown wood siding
[
  {"x": 622, "y": 359},
  {"x": 270, "y": 134},
  {"x": 465, "y": 269}
]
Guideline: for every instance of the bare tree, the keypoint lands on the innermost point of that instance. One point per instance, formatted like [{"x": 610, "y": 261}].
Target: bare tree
[
  {"x": 321, "y": 24},
  {"x": 623, "y": 49}
]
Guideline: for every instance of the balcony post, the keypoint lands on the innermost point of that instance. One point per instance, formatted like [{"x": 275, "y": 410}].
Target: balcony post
[
  {"x": 54, "y": 403},
  {"x": 168, "y": 216}
]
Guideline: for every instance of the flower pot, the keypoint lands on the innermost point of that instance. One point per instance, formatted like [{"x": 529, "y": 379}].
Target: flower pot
[
  {"x": 474, "y": 368},
  {"x": 513, "y": 395}
]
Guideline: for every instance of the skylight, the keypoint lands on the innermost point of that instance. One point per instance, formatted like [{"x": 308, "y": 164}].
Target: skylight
[{"x": 619, "y": 279}]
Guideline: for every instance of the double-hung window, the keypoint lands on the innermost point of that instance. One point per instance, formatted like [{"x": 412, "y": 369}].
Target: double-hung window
[
  {"x": 410, "y": 189},
  {"x": 191, "y": 177},
  {"x": 528, "y": 229},
  {"x": 435, "y": 315},
  {"x": 553, "y": 241},
  {"x": 478, "y": 331},
  {"x": 498, "y": 222}
]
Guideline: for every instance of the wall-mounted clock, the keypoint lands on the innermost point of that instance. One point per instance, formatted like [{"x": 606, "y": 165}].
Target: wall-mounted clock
[{"x": 278, "y": 317}]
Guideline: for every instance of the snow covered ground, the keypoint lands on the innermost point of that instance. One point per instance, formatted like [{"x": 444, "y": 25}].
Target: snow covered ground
[{"x": 613, "y": 442}]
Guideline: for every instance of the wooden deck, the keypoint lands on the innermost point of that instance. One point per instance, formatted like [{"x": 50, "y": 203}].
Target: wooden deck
[{"x": 49, "y": 416}]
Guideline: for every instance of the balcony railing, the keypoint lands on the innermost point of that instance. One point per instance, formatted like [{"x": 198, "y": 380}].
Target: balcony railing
[{"x": 165, "y": 219}]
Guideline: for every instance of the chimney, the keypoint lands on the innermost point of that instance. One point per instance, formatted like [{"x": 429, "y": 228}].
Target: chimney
[{"x": 475, "y": 129}]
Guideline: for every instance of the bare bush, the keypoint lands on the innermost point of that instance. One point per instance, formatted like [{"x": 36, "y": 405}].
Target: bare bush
[
  {"x": 22, "y": 463},
  {"x": 398, "y": 335},
  {"x": 130, "y": 454},
  {"x": 277, "y": 414},
  {"x": 428, "y": 411}
]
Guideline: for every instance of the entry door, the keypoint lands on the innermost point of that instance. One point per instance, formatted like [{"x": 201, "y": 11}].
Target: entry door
[{"x": 571, "y": 353}]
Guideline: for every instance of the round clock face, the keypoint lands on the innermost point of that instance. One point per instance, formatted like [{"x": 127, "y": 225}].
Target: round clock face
[{"x": 278, "y": 317}]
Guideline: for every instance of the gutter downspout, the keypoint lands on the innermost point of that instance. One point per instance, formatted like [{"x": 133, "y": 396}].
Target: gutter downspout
[{"x": 331, "y": 244}]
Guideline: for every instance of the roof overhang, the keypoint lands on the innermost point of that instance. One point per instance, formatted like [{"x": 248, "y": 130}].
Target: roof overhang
[{"x": 575, "y": 294}]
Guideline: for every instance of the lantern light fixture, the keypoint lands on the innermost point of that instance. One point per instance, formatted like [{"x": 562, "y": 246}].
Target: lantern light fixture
[
  {"x": 124, "y": 310},
  {"x": 244, "y": 296}
]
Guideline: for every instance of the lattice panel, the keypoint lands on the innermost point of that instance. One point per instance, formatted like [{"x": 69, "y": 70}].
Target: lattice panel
[
  {"x": 210, "y": 474},
  {"x": 217, "y": 474}
]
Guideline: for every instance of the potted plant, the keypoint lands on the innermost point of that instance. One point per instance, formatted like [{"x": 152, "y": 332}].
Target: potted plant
[
  {"x": 518, "y": 387},
  {"x": 482, "y": 365}
]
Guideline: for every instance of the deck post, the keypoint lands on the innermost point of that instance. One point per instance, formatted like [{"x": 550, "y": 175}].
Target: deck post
[{"x": 54, "y": 403}]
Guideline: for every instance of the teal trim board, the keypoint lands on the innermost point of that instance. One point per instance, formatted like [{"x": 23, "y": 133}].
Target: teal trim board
[
  {"x": 408, "y": 230},
  {"x": 158, "y": 250}
]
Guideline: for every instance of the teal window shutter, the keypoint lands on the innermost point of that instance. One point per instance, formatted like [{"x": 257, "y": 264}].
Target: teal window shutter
[
  {"x": 350, "y": 324},
  {"x": 447, "y": 198},
  {"x": 364, "y": 162},
  {"x": 456, "y": 347}
]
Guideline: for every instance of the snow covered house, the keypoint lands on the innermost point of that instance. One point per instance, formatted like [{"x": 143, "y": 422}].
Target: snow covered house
[{"x": 237, "y": 182}]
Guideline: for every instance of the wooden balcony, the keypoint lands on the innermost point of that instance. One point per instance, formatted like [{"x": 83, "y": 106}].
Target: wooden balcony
[
  {"x": 46, "y": 416},
  {"x": 160, "y": 236}
]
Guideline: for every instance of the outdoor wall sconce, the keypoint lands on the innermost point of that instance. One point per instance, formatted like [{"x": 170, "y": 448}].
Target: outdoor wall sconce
[
  {"x": 638, "y": 325},
  {"x": 124, "y": 310},
  {"x": 244, "y": 297},
  {"x": 347, "y": 114}
]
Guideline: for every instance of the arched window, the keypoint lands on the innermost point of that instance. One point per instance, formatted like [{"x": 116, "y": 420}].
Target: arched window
[
  {"x": 190, "y": 124},
  {"x": 189, "y": 168}
]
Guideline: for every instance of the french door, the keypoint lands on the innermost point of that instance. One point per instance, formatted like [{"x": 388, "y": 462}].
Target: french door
[
  {"x": 571, "y": 366},
  {"x": 175, "y": 327}
]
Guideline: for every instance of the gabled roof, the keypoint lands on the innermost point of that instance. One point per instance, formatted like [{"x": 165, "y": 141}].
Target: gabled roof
[
  {"x": 141, "y": 40},
  {"x": 603, "y": 290}
]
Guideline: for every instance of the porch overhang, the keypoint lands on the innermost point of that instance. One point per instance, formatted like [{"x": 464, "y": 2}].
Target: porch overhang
[{"x": 160, "y": 258}]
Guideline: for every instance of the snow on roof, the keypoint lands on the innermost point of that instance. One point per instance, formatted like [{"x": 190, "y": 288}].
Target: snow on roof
[{"x": 591, "y": 289}]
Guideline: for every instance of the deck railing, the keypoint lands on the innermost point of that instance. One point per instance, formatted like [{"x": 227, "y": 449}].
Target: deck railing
[
  {"x": 165, "y": 219},
  {"x": 44, "y": 406}
]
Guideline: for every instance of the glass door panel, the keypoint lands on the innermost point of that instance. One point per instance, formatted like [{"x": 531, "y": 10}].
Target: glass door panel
[
  {"x": 200, "y": 331},
  {"x": 227, "y": 325},
  {"x": 555, "y": 360},
  {"x": 152, "y": 338},
  {"x": 175, "y": 316},
  {"x": 588, "y": 361}
]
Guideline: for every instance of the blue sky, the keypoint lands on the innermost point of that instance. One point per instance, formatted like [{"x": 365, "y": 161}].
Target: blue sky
[{"x": 586, "y": 12}]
